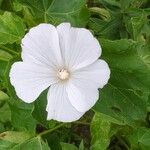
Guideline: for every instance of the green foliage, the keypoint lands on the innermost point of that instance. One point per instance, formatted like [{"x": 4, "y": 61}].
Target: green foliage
[
  {"x": 129, "y": 61},
  {"x": 4, "y": 59},
  {"x": 39, "y": 112},
  {"x": 12, "y": 28},
  {"x": 5, "y": 55},
  {"x": 34, "y": 143},
  {"x": 21, "y": 117},
  {"x": 140, "y": 138},
  {"x": 5, "y": 111},
  {"x": 56, "y": 11},
  {"x": 120, "y": 120},
  {"x": 3, "y": 96},
  {"x": 66, "y": 146},
  {"x": 100, "y": 131},
  {"x": 81, "y": 146},
  {"x": 15, "y": 137}
]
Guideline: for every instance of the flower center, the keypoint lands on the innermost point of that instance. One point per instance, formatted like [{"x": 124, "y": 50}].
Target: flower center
[{"x": 63, "y": 74}]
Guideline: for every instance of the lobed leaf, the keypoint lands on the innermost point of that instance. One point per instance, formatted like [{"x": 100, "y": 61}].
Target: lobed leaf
[
  {"x": 128, "y": 88},
  {"x": 12, "y": 28},
  {"x": 56, "y": 11}
]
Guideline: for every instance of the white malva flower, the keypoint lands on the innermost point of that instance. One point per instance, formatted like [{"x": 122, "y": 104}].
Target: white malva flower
[{"x": 65, "y": 60}]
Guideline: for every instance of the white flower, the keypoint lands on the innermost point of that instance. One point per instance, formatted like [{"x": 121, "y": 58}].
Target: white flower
[{"x": 65, "y": 59}]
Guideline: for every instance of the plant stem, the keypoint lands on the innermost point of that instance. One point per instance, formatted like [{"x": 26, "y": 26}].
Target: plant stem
[
  {"x": 51, "y": 130},
  {"x": 59, "y": 126}
]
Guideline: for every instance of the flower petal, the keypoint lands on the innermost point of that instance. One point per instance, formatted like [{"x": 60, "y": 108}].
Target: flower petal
[
  {"x": 59, "y": 107},
  {"x": 82, "y": 97},
  {"x": 41, "y": 45},
  {"x": 78, "y": 45},
  {"x": 30, "y": 80},
  {"x": 96, "y": 74},
  {"x": 82, "y": 89}
]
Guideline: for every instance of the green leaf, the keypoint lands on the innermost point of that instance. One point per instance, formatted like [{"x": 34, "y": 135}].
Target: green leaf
[
  {"x": 140, "y": 138},
  {"x": 27, "y": 14},
  {"x": 3, "y": 66},
  {"x": 81, "y": 146},
  {"x": 12, "y": 28},
  {"x": 35, "y": 144},
  {"x": 40, "y": 113},
  {"x": 6, "y": 145},
  {"x": 107, "y": 29},
  {"x": 21, "y": 115},
  {"x": 4, "y": 108},
  {"x": 118, "y": 103},
  {"x": 5, "y": 111},
  {"x": 141, "y": 27},
  {"x": 103, "y": 13},
  {"x": 56, "y": 11},
  {"x": 128, "y": 88},
  {"x": 101, "y": 132},
  {"x": 67, "y": 146},
  {"x": 2, "y": 128},
  {"x": 3, "y": 96},
  {"x": 133, "y": 64},
  {"x": 53, "y": 140},
  {"x": 134, "y": 3},
  {"x": 5, "y": 55},
  {"x": 111, "y": 2},
  {"x": 4, "y": 59},
  {"x": 15, "y": 137}
]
